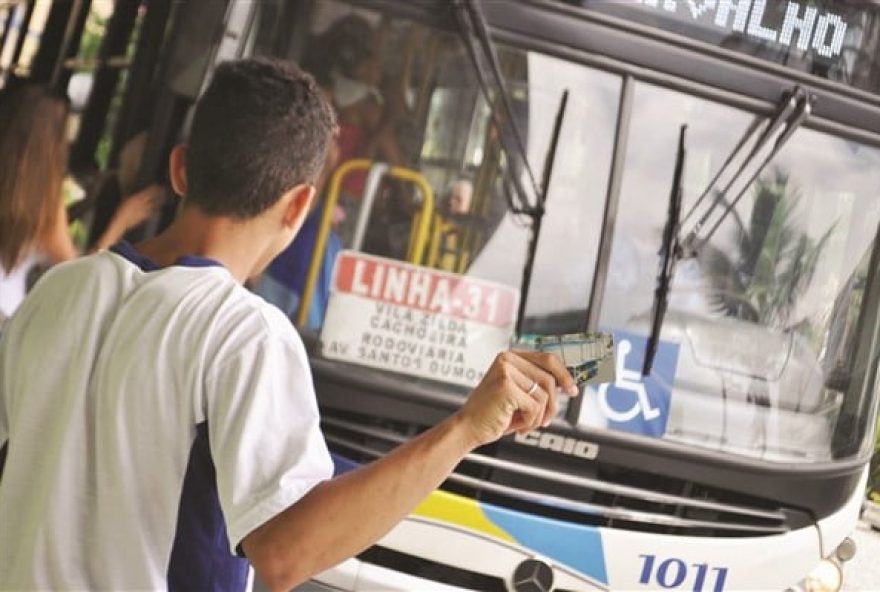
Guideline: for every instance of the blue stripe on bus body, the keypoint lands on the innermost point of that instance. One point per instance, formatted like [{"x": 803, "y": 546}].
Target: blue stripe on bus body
[{"x": 574, "y": 545}]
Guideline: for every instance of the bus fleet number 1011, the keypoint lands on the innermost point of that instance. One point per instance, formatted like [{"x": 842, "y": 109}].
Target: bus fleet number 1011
[{"x": 674, "y": 573}]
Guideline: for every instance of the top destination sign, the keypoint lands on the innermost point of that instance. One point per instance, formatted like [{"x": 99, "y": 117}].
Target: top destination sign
[{"x": 787, "y": 24}]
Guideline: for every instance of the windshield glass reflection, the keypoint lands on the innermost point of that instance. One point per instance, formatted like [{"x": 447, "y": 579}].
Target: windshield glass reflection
[{"x": 763, "y": 318}]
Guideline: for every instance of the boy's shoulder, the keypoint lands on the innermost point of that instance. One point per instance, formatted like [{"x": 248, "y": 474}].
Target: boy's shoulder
[
  {"x": 246, "y": 318},
  {"x": 210, "y": 296},
  {"x": 79, "y": 272}
]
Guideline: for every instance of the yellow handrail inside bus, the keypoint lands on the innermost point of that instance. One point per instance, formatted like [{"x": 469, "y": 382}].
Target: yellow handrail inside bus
[
  {"x": 422, "y": 222},
  {"x": 434, "y": 245},
  {"x": 418, "y": 237},
  {"x": 453, "y": 257},
  {"x": 305, "y": 302}
]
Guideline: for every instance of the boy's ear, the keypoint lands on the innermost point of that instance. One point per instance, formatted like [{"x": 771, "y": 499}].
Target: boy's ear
[
  {"x": 177, "y": 169},
  {"x": 299, "y": 203}
]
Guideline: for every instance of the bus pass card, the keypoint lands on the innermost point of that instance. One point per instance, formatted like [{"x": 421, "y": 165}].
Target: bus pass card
[{"x": 589, "y": 357}]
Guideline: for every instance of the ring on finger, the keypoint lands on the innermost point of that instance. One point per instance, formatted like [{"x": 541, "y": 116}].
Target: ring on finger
[{"x": 532, "y": 388}]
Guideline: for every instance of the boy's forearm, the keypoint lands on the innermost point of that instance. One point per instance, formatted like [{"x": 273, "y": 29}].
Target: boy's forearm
[{"x": 341, "y": 517}]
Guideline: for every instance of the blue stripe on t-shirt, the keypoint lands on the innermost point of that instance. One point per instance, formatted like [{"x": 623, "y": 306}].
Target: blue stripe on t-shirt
[
  {"x": 200, "y": 556},
  {"x": 127, "y": 250},
  {"x": 3, "y": 451}
]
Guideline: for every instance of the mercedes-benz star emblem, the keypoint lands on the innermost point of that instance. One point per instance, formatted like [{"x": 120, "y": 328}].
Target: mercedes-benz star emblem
[{"x": 533, "y": 575}]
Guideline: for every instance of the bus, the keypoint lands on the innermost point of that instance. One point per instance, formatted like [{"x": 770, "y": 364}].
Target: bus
[{"x": 509, "y": 170}]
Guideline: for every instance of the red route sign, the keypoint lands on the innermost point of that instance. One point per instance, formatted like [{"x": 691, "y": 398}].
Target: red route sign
[{"x": 424, "y": 289}]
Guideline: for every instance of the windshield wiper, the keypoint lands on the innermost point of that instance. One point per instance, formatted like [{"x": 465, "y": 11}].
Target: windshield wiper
[
  {"x": 538, "y": 215},
  {"x": 794, "y": 109},
  {"x": 798, "y": 117},
  {"x": 668, "y": 254},
  {"x": 481, "y": 48}
]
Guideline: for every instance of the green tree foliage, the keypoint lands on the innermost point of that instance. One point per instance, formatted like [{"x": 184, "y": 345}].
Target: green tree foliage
[
  {"x": 93, "y": 33},
  {"x": 874, "y": 477},
  {"x": 774, "y": 261}
]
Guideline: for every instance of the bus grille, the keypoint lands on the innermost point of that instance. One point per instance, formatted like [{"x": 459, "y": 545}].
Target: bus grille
[
  {"x": 612, "y": 496},
  {"x": 431, "y": 570}
]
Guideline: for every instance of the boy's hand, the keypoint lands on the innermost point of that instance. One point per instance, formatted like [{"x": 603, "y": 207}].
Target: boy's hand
[{"x": 518, "y": 394}]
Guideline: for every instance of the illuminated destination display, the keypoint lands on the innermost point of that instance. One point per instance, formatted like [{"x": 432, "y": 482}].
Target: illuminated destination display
[
  {"x": 838, "y": 40},
  {"x": 788, "y": 24}
]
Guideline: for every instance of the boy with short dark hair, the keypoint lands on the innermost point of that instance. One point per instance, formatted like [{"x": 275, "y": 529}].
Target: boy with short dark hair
[{"x": 158, "y": 423}]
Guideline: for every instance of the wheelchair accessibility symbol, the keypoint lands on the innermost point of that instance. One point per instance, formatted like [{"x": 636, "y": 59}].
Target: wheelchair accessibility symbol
[
  {"x": 635, "y": 403},
  {"x": 627, "y": 380}
]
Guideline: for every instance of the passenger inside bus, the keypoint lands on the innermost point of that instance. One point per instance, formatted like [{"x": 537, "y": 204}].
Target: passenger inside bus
[
  {"x": 344, "y": 62},
  {"x": 33, "y": 218},
  {"x": 450, "y": 224}
]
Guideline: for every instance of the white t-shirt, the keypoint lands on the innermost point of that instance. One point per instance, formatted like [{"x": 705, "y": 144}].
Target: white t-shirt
[
  {"x": 13, "y": 285},
  {"x": 151, "y": 420}
]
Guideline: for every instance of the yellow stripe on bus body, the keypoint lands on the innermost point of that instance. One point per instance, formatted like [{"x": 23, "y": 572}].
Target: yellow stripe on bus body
[{"x": 461, "y": 511}]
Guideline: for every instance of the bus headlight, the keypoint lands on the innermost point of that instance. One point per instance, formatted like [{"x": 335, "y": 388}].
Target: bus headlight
[{"x": 825, "y": 577}]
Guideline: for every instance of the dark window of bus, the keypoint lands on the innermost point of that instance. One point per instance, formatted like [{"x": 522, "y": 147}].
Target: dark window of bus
[
  {"x": 98, "y": 75},
  {"x": 763, "y": 316},
  {"x": 100, "y": 71},
  {"x": 21, "y": 45},
  {"x": 407, "y": 95}
]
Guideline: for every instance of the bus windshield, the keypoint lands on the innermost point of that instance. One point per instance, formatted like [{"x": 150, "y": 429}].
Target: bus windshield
[
  {"x": 763, "y": 322},
  {"x": 756, "y": 354}
]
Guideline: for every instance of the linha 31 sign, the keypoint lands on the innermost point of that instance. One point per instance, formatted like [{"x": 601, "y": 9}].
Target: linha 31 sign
[{"x": 414, "y": 320}]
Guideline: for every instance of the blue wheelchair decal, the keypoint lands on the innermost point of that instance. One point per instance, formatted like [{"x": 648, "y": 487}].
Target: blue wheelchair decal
[{"x": 631, "y": 403}]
